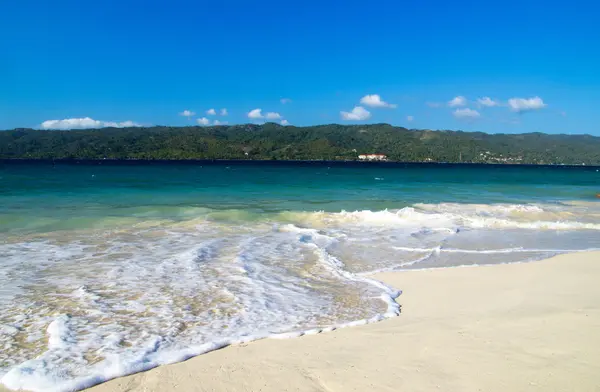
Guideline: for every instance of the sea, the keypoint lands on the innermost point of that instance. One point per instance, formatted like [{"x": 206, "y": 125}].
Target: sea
[{"x": 110, "y": 268}]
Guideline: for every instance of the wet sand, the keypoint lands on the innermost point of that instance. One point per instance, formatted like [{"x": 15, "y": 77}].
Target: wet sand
[{"x": 515, "y": 327}]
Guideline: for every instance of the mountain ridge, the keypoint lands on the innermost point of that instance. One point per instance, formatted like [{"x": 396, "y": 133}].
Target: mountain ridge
[{"x": 272, "y": 141}]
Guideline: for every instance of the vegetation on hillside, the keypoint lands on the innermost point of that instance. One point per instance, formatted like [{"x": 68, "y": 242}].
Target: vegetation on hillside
[{"x": 324, "y": 142}]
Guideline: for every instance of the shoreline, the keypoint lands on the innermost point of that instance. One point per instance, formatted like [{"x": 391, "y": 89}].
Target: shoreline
[
  {"x": 283, "y": 162},
  {"x": 520, "y": 326}
]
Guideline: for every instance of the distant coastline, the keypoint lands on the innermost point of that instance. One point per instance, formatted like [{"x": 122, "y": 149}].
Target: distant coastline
[
  {"x": 270, "y": 162},
  {"x": 324, "y": 143}
]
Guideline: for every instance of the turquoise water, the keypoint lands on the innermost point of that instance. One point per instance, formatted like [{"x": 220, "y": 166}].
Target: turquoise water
[
  {"x": 114, "y": 268},
  {"x": 41, "y": 197}
]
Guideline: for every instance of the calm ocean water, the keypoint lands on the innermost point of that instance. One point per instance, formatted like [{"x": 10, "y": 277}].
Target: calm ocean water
[{"x": 115, "y": 268}]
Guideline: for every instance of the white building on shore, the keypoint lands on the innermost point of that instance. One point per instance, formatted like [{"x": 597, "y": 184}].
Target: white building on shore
[{"x": 373, "y": 157}]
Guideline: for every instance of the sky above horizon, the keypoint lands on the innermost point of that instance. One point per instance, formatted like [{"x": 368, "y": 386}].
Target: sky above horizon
[{"x": 506, "y": 66}]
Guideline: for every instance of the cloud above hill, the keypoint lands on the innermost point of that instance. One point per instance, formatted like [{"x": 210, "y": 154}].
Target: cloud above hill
[
  {"x": 375, "y": 101},
  {"x": 85, "y": 123},
  {"x": 466, "y": 113},
  {"x": 357, "y": 114},
  {"x": 521, "y": 105}
]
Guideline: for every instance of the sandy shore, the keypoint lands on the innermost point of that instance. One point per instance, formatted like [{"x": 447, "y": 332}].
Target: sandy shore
[{"x": 518, "y": 327}]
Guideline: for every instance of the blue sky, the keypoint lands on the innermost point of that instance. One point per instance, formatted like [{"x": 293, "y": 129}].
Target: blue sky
[{"x": 147, "y": 61}]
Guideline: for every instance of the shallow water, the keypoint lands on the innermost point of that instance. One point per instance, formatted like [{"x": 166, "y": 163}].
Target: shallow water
[{"x": 112, "y": 269}]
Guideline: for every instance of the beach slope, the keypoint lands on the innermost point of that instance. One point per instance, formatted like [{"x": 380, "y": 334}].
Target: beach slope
[{"x": 516, "y": 327}]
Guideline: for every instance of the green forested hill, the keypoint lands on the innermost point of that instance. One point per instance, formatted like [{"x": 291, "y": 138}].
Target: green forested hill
[{"x": 324, "y": 142}]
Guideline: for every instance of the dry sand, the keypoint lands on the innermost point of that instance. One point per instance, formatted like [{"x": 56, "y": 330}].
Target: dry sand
[{"x": 517, "y": 327}]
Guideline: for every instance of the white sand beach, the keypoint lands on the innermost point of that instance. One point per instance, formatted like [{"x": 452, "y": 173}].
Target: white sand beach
[{"x": 514, "y": 327}]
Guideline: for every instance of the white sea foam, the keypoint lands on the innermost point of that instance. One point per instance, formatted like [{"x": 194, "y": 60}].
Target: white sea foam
[
  {"x": 60, "y": 334},
  {"x": 82, "y": 307},
  {"x": 492, "y": 217}
]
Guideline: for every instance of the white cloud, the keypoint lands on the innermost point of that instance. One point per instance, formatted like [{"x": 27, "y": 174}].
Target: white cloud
[
  {"x": 409, "y": 118},
  {"x": 357, "y": 114},
  {"x": 487, "y": 102},
  {"x": 187, "y": 113},
  {"x": 457, "y": 101},
  {"x": 273, "y": 116},
  {"x": 466, "y": 113},
  {"x": 211, "y": 112},
  {"x": 217, "y": 122},
  {"x": 124, "y": 124},
  {"x": 224, "y": 112},
  {"x": 526, "y": 104},
  {"x": 375, "y": 101},
  {"x": 285, "y": 122},
  {"x": 85, "y": 122},
  {"x": 285, "y": 100},
  {"x": 203, "y": 121},
  {"x": 255, "y": 114}
]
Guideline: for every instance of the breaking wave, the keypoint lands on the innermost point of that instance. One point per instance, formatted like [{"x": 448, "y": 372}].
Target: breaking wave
[{"x": 87, "y": 305}]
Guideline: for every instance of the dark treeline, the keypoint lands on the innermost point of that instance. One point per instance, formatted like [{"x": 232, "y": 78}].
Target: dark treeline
[{"x": 274, "y": 142}]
